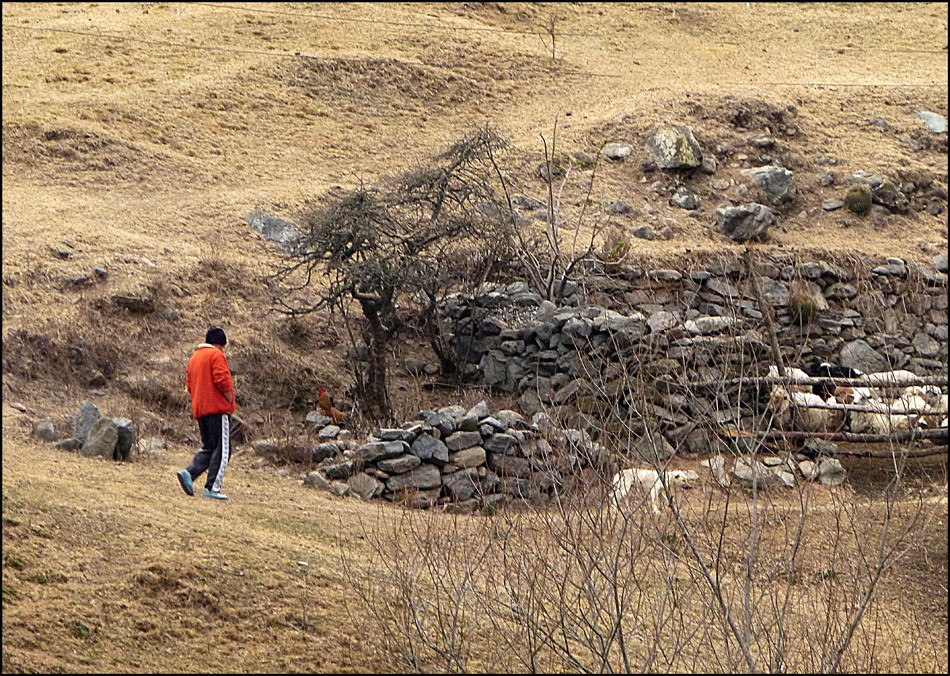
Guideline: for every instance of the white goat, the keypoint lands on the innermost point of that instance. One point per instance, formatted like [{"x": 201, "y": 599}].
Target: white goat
[
  {"x": 795, "y": 374},
  {"x": 796, "y": 411},
  {"x": 625, "y": 480}
]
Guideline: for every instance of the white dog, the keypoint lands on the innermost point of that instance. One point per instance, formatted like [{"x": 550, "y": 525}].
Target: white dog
[{"x": 625, "y": 480}]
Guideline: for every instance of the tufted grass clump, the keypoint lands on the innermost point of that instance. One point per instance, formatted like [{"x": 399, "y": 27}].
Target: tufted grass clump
[
  {"x": 802, "y": 308},
  {"x": 858, "y": 199}
]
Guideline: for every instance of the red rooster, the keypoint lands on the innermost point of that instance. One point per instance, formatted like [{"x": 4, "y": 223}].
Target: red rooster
[{"x": 327, "y": 408}]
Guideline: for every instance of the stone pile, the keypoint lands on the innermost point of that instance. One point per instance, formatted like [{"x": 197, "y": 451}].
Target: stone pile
[
  {"x": 465, "y": 459},
  {"x": 93, "y": 434}
]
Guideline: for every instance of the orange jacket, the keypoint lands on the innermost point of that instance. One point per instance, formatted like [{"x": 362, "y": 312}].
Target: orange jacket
[{"x": 208, "y": 379}]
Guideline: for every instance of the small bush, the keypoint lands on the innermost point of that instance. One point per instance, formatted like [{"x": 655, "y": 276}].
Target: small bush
[
  {"x": 802, "y": 308},
  {"x": 858, "y": 199},
  {"x": 615, "y": 247}
]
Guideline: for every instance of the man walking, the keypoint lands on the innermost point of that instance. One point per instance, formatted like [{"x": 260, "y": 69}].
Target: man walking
[{"x": 209, "y": 383}]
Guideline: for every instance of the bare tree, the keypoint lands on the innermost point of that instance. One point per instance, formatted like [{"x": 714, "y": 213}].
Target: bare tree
[{"x": 420, "y": 235}]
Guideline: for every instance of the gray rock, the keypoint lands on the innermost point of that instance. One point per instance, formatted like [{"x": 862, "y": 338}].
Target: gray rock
[
  {"x": 685, "y": 198},
  {"x": 377, "y": 450},
  {"x": 662, "y": 321},
  {"x": 784, "y": 476},
  {"x": 45, "y": 430},
  {"x": 136, "y": 303},
  {"x": 70, "y": 444},
  {"x": 884, "y": 191},
  {"x": 644, "y": 232},
  {"x": 753, "y": 473},
  {"x": 320, "y": 452},
  {"x": 340, "y": 471},
  {"x": 512, "y": 420},
  {"x": 417, "y": 499},
  {"x": 840, "y": 291},
  {"x": 830, "y": 472},
  {"x": 400, "y": 464},
  {"x": 461, "y": 485},
  {"x": 426, "y": 447},
  {"x": 704, "y": 326},
  {"x": 940, "y": 262},
  {"x": 778, "y": 183},
  {"x": 396, "y": 434},
  {"x": 84, "y": 420},
  {"x": 675, "y": 148},
  {"x": 775, "y": 292},
  {"x": 479, "y": 411},
  {"x": 364, "y": 486},
  {"x": 458, "y": 441},
  {"x": 716, "y": 465},
  {"x": 284, "y": 233},
  {"x": 152, "y": 444},
  {"x": 415, "y": 367},
  {"x": 616, "y": 151},
  {"x": 859, "y": 355},
  {"x": 126, "y": 440},
  {"x": 317, "y": 480},
  {"x": 832, "y": 205},
  {"x": 925, "y": 345},
  {"x": 618, "y": 207},
  {"x": 469, "y": 457},
  {"x": 653, "y": 448},
  {"x": 501, "y": 443},
  {"x": 808, "y": 469},
  {"x": 744, "y": 222},
  {"x": 102, "y": 439},
  {"x": 317, "y": 420},
  {"x": 509, "y": 466},
  {"x": 935, "y": 123},
  {"x": 424, "y": 477}
]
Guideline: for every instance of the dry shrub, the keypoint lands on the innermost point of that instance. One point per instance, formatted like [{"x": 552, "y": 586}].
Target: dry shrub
[
  {"x": 275, "y": 378},
  {"x": 67, "y": 354},
  {"x": 802, "y": 307}
]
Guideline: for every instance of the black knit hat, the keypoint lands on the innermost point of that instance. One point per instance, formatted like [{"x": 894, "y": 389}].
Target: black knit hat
[{"x": 216, "y": 336}]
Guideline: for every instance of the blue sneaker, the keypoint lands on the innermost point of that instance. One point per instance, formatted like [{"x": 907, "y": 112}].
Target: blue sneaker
[
  {"x": 184, "y": 478},
  {"x": 215, "y": 495}
]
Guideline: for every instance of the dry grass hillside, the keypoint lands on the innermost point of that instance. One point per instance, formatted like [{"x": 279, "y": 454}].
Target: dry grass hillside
[{"x": 138, "y": 136}]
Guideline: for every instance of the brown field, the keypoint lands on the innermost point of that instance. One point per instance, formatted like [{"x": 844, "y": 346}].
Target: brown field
[{"x": 143, "y": 134}]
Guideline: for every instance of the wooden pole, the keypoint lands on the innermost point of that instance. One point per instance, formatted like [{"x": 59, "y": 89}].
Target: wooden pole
[
  {"x": 903, "y": 435},
  {"x": 868, "y": 453},
  {"x": 942, "y": 381}
]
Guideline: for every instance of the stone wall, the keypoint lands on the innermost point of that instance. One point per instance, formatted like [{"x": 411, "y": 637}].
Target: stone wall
[
  {"x": 639, "y": 328},
  {"x": 463, "y": 459}
]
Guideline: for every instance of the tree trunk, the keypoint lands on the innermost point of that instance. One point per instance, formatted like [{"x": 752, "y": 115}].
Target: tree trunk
[{"x": 376, "y": 398}]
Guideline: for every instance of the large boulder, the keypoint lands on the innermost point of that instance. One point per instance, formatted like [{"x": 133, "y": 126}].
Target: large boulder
[
  {"x": 776, "y": 182},
  {"x": 102, "y": 439},
  {"x": 424, "y": 477},
  {"x": 859, "y": 355},
  {"x": 744, "y": 222},
  {"x": 84, "y": 420},
  {"x": 675, "y": 148},
  {"x": 364, "y": 486}
]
